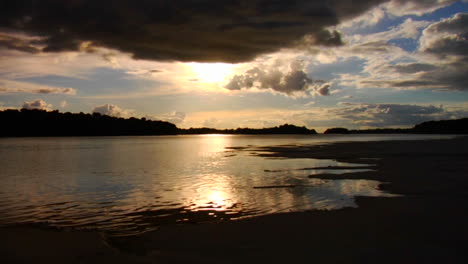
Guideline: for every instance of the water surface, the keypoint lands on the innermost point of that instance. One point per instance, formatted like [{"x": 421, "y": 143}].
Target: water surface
[{"x": 127, "y": 185}]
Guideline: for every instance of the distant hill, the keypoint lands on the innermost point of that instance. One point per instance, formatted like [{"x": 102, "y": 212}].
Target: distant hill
[
  {"x": 459, "y": 126},
  {"x": 337, "y": 130},
  {"x": 42, "y": 123}
]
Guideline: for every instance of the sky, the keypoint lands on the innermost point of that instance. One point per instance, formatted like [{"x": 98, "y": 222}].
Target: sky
[{"x": 228, "y": 64}]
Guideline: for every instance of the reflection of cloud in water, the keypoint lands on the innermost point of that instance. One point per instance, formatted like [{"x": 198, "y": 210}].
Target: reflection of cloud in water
[{"x": 317, "y": 194}]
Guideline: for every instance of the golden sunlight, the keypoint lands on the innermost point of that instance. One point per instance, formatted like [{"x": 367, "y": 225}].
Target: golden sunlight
[
  {"x": 211, "y": 72},
  {"x": 214, "y": 143},
  {"x": 219, "y": 198}
]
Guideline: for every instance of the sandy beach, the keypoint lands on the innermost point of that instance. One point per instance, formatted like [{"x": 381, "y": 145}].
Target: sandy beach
[{"x": 427, "y": 223}]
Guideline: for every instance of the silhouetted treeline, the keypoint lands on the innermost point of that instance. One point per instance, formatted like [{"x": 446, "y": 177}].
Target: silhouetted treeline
[
  {"x": 337, "y": 130},
  {"x": 383, "y": 131},
  {"x": 459, "y": 126},
  {"x": 42, "y": 123},
  {"x": 341, "y": 130},
  {"x": 283, "y": 129}
]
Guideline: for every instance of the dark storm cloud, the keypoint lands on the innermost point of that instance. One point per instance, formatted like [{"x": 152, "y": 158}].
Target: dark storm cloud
[{"x": 184, "y": 30}]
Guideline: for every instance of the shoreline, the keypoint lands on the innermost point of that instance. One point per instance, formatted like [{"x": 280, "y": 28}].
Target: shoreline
[{"x": 427, "y": 224}]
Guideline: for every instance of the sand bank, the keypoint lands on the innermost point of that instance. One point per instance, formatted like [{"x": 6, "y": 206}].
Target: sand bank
[{"x": 427, "y": 224}]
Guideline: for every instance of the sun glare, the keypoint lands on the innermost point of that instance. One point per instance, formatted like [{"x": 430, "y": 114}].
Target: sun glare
[{"x": 211, "y": 72}]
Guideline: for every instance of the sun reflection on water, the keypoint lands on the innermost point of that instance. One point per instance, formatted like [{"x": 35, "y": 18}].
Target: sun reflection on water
[{"x": 213, "y": 143}]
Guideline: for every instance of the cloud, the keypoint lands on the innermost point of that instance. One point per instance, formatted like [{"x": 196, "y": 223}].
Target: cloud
[
  {"x": 440, "y": 61},
  {"x": 420, "y": 7},
  {"x": 175, "y": 117},
  {"x": 391, "y": 9},
  {"x": 323, "y": 90},
  {"x": 447, "y": 40},
  {"x": 408, "y": 29},
  {"x": 372, "y": 47},
  {"x": 253, "y": 118},
  {"x": 444, "y": 76},
  {"x": 385, "y": 115},
  {"x": 291, "y": 81},
  {"x": 353, "y": 116},
  {"x": 411, "y": 67},
  {"x": 8, "y": 86},
  {"x": 144, "y": 72},
  {"x": 370, "y": 18},
  {"x": 448, "y": 37},
  {"x": 18, "y": 42},
  {"x": 113, "y": 110},
  {"x": 183, "y": 30},
  {"x": 37, "y": 104}
]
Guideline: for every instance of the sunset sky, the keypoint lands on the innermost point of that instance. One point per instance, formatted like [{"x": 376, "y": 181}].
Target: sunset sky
[{"x": 229, "y": 64}]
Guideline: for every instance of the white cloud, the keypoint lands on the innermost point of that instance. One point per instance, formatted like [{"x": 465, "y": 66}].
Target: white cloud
[
  {"x": 280, "y": 75},
  {"x": 113, "y": 110},
  {"x": 393, "y": 8},
  {"x": 37, "y": 104},
  {"x": 415, "y": 7},
  {"x": 408, "y": 29},
  {"x": 175, "y": 118},
  {"x": 368, "y": 19}
]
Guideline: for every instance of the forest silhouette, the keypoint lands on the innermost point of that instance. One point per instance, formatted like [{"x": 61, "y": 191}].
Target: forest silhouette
[
  {"x": 42, "y": 123},
  {"x": 24, "y": 123}
]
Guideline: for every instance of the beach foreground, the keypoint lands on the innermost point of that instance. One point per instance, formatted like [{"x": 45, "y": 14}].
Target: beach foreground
[{"x": 426, "y": 224}]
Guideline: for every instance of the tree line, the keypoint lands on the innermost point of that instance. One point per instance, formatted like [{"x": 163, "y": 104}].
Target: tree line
[
  {"x": 283, "y": 129},
  {"x": 35, "y": 122},
  {"x": 42, "y": 123}
]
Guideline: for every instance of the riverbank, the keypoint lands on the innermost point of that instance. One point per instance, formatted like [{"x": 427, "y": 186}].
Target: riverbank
[{"x": 427, "y": 224}]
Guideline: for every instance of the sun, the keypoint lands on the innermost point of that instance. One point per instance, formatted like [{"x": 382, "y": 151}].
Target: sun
[{"x": 211, "y": 72}]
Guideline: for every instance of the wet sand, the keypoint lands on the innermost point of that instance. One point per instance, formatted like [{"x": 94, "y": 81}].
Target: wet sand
[{"x": 426, "y": 224}]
